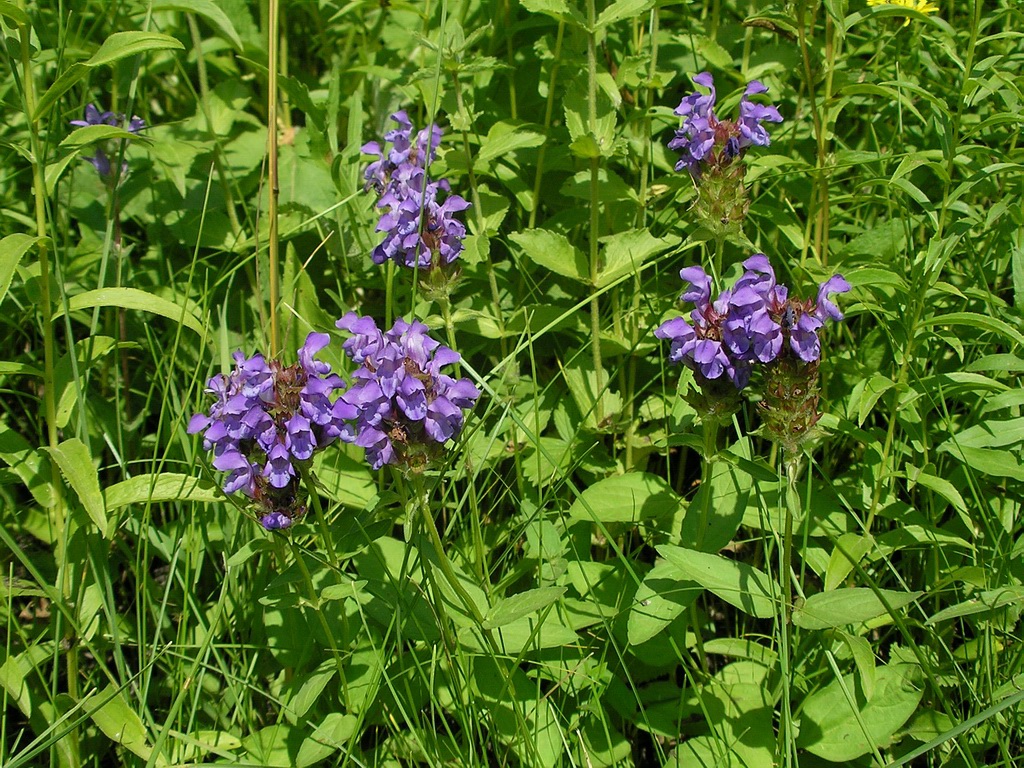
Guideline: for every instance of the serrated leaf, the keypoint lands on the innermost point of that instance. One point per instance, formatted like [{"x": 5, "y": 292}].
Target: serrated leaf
[
  {"x": 160, "y": 487},
  {"x": 628, "y": 498},
  {"x": 749, "y": 589},
  {"x": 848, "y": 605},
  {"x": 558, "y": 9},
  {"x": 626, "y": 251},
  {"x": 513, "y": 607},
  {"x": 553, "y": 252},
  {"x": 134, "y": 298},
  {"x": 72, "y": 456}
]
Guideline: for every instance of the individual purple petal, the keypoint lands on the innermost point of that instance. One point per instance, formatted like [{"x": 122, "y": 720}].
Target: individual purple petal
[
  {"x": 278, "y": 469},
  {"x": 824, "y": 307},
  {"x": 275, "y": 521}
]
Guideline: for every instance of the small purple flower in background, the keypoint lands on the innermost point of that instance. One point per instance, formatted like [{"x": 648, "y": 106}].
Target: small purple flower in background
[
  {"x": 419, "y": 231},
  {"x": 101, "y": 160},
  {"x": 407, "y": 407},
  {"x": 266, "y": 420}
]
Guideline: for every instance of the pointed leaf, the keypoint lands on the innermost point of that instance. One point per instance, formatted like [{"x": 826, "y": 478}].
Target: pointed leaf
[
  {"x": 122, "y": 44},
  {"x": 554, "y": 252},
  {"x": 12, "y": 248},
  {"x": 849, "y": 605},
  {"x": 158, "y": 487},
  {"x": 134, "y": 298},
  {"x": 72, "y": 456},
  {"x": 122, "y": 724},
  {"x": 514, "y": 607},
  {"x": 748, "y": 588},
  {"x": 210, "y": 11},
  {"x": 625, "y": 499}
]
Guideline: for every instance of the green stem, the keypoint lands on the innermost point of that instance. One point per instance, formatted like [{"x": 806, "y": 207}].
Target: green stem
[
  {"x": 49, "y": 386},
  {"x": 549, "y": 108},
  {"x": 318, "y": 513},
  {"x": 273, "y": 43},
  {"x": 792, "y": 510},
  {"x": 595, "y": 213}
]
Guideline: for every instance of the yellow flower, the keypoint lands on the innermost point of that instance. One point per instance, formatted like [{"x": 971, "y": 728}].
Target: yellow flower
[{"x": 921, "y": 6}]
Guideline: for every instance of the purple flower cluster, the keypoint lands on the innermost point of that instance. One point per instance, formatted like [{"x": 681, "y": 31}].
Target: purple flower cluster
[
  {"x": 418, "y": 230},
  {"x": 755, "y": 321},
  {"x": 407, "y": 408},
  {"x": 267, "y": 418},
  {"x": 705, "y": 140},
  {"x": 100, "y": 160}
]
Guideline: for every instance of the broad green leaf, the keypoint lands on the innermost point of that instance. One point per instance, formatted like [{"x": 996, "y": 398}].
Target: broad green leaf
[
  {"x": 210, "y": 11},
  {"x": 64, "y": 83},
  {"x": 830, "y": 726},
  {"x": 664, "y": 594},
  {"x": 989, "y": 600},
  {"x": 303, "y": 692},
  {"x": 553, "y": 252},
  {"x": 719, "y": 505},
  {"x": 989, "y": 434},
  {"x": 942, "y": 487},
  {"x": 160, "y": 487},
  {"x": 247, "y": 551},
  {"x": 590, "y": 139},
  {"x": 563, "y": 10},
  {"x": 12, "y": 248},
  {"x": 508, "y": 609},
  {"x": 863, "y": 658},
  {"x": 122, "y": 44},
  {"x": 332, "y": 734},
  {"x": 748, "y": 588},
  {"x": 122, "y": 724},
  {"x": 999, "y": 463},
  {"x": 72, "y": 456},
  {"x": 505, "y": 137},
  {"x": 848, "y": 605},
  {"x": 526, "y": 633},
  {"x": 15, "y": 14},
  {"x": 626, "y": 498},
  {"x": 28, "y": 464},
  {"x": 849, "y": 546},
  {"x": 622, "y": 9},
  {"x": 625, "y": 252},
  {"x": 134, "y": 298},
  {"x": 90, "y": 134}
]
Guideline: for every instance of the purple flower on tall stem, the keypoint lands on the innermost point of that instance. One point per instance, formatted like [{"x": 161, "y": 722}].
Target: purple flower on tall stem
[
  {"x": 101, "y": 160},
  {"x": 419, "y": 230},
  {"x": 407, "y": 407},
  {"x": 267, "y": 420}
]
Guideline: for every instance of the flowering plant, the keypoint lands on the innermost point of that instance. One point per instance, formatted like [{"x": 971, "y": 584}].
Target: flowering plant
[
  {"x": 101, "y": 160},
  {"x": 407, "y": 408},
  {"x": 266, "y": 420},
  {"x": 418, "y": 230}
]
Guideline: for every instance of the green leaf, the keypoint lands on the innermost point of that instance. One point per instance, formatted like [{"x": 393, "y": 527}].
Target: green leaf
[
  {"x": 122, "y": 44},
  {"x": 333, "y": 733},
  {"x": 664, "y": 594},
  {"x": 122, "y": 724},
  {"x": 210, "y": 11},
  {"x": 505, "y": 137},
  {"x": 72, "y": 456},
  {"x": 849, "y": 547},
  {"x": 831, "y": 719},
  {"x": 160, "y": 487},
  {"x": 622, "y": 9},
  {"x": 28, "y": 465},
  {"x": 558, "y": 9},
  {"x": 64, "y": 83},
  {"x": 748, "y": 588},
  {"x": 134, "y": 298},
  {"x": 848, "y": 605},
  {"x": 514, "y": 607},
  {"x": 624, "y": 252},
  {"x": 978, "y": 321},
  {"x": 553, "y": 252},
  {"x": 12, "y": 248},
  {"x": 626, "y": 498},
  {"x": 90, "y": 134},
  {"x": 989, "y": 600},
  {"x": 15, "y": 14}
]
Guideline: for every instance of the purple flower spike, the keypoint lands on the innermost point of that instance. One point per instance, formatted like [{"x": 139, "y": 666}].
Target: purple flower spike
[
  {"x": 406, "y": 407},
  {"x": 419, "y": 230},
  {"x": 707, "y": 142},
  {"x": 267, "y": 422}
]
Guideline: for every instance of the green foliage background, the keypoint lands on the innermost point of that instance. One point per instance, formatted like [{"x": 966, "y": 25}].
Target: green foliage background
[{"x": 611, "y": 588}]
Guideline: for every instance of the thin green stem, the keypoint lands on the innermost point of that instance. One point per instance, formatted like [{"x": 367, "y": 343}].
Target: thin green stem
[
  {"x": 318, "y": 513},
  {"x": 595, "y": 217},
  {"x": 64, "y": 580},
  {"x": 273, "y": 47},
  {"x": 786, "y": 739}
]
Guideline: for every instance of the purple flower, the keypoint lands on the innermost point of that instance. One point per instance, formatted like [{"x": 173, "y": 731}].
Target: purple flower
[
  {"x": 101, "y": 160},
  {"x": 419, "y": 231},
  {"x": 267, "y": 419},
  {"x": 705, "y": 140},
  {"x": 406, "y": 406}
]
